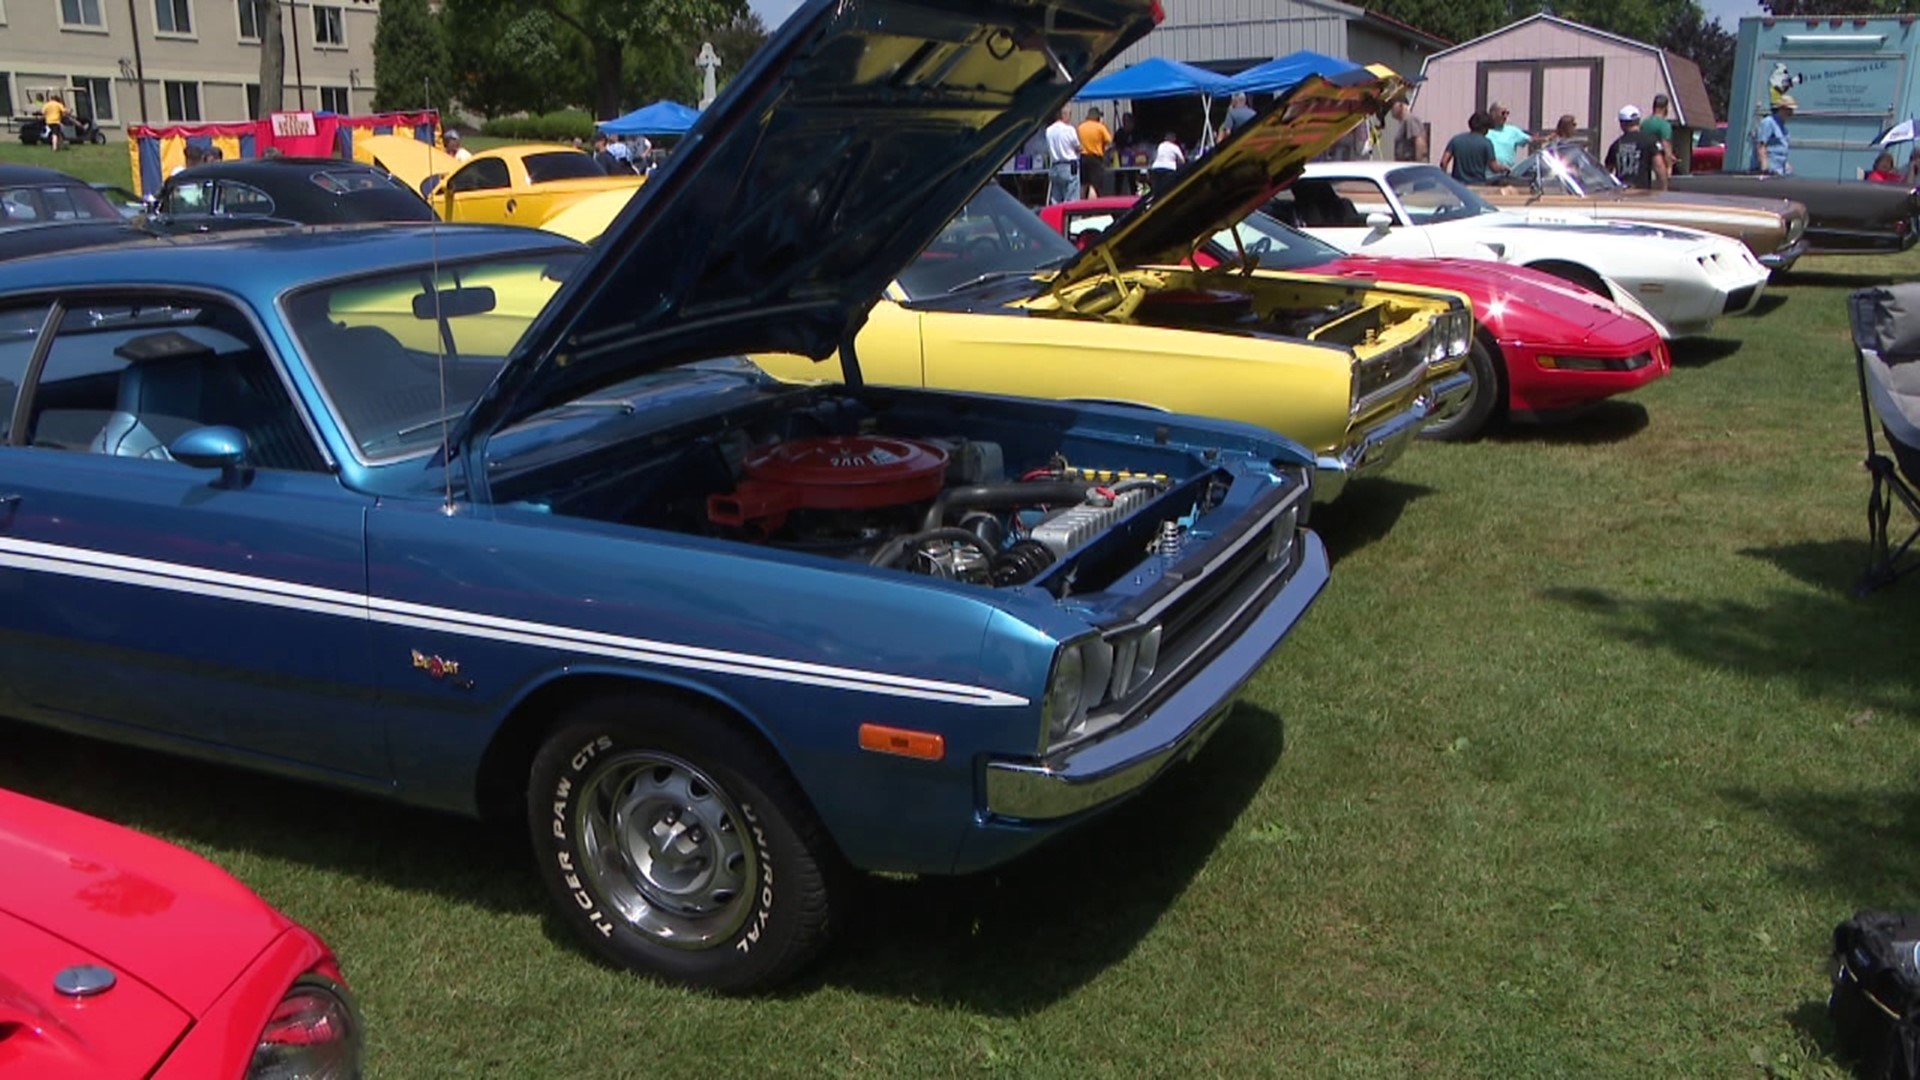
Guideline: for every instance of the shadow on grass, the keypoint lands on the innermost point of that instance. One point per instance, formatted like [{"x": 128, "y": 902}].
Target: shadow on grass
[
  {"x": 1365, "y": 512},
  {"x": 1863, "y": 845},
  {"x": 1832, "y": 565},
  {"x": 1699, "y": 352},
  {"x": 1013, "y": 940},
  {"x": 1856, "y": 656},
  {"x": 1766, "y": 305},
  {"x": 1833, "y": 279},
  {"x": 458, "y": 860},
  {"x": 1603, "y": 423}
]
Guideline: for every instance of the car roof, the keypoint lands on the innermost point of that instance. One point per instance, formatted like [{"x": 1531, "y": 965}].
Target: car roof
[
  {"x": 34, "y": 174},
  {"x": 269, "y": 262},
  {"x": 253, "y": 167}
]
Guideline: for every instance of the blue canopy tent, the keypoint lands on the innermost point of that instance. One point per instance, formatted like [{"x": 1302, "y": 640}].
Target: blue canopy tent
[
  {"x": 1157, "y": 77},
  {"x": 1283, "y": 72},
  {"x": 659, "y": 118}
]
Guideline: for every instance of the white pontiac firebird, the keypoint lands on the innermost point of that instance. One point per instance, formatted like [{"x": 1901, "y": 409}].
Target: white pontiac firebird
[{"x": 1684, "y": 278}]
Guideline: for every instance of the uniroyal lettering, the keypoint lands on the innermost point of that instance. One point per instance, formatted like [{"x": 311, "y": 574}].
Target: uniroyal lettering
[{"x": 757, "y": 925}]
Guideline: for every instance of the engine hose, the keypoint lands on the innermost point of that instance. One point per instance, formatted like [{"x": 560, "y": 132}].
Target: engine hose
[
  {"x": 1044, "y": 492},
  {"x": 899, "y": 545}
]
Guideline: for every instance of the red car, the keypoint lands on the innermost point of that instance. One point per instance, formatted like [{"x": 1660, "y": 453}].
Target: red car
[
  {"x": 1550, "y": 346},
  {"x": 123, "y": 956},
  {"x": 1709, "y": 150}
]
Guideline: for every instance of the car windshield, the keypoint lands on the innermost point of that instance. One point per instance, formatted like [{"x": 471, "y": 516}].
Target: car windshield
[
  {"x": 34, "y": 204},
  {"x": 994, "y": 236},
  {"x": 561, "y": 165},
  {"x": 1275, "y": 244},
  {"x": 1555, "y": 165},
  {"x": 400, "y": 353},
  {"x": 1430, "y": 196},
  {"x": 1716, "y": 136}
]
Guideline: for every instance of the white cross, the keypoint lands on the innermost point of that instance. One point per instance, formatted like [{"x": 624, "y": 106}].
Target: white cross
[{"x": 708, "y": 62}]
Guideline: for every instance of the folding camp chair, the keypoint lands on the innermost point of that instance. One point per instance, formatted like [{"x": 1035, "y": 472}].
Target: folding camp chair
[{"x": 1886, "y": 340}]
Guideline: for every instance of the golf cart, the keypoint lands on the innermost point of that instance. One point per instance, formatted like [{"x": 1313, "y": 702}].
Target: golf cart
[{"x": 79, "y": 124}]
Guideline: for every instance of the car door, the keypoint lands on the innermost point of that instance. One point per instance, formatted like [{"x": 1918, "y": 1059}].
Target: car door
[
  {"x": 1336, "y": 209},
  {"x": 220, "y": 611},
  {"x": 480, "y": 191}
]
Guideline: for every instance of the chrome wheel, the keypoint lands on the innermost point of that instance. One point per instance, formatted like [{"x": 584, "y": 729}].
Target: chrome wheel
[{"x": 667, "y": 849}]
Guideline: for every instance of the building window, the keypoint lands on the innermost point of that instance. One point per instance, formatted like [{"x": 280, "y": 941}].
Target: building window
[
  {"x": 183, "y": 101},
  {"x": 172, "y": 17},
  {"x": 249, "y": 20},
  {"x": 336, "y": 99},
  {"x": 328, "y": 29},
  {"x": 6, "y": 91},
  {"x": 98, "y": 95},
  {"x": 253, "y": 100},
  {"x": 82, "y": 13}
]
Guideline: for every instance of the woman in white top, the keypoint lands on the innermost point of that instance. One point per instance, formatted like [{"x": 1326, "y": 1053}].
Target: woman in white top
[{"x": 1167, "y": 160}]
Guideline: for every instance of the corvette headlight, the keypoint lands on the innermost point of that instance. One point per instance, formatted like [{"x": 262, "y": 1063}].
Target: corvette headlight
[
  {"x": 1462, "y": 338},
  {"x": 313, "y": 1034}
]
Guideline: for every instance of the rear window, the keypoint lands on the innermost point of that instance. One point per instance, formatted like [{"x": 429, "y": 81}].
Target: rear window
[
  {"x": 561, "y": 165},
  {"x": 30, "y": 204},
  {"x": 367, "y": 195}
]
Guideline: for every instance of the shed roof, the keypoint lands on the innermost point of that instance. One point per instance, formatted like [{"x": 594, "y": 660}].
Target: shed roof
[{"x": 1685, "y": 85}]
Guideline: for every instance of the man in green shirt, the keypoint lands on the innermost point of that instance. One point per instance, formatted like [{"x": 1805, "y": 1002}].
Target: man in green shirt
[{"x": 1659, "y": 126}]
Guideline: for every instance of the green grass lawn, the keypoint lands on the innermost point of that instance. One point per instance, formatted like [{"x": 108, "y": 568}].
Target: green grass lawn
[{"x": 1571, "y": 772}]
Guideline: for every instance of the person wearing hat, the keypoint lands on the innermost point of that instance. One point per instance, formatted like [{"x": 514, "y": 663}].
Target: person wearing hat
[
  {"x": 1636, "y": 157},
  {"x": 1770, "y": 139},
  {"x": 452, "y": 141}
]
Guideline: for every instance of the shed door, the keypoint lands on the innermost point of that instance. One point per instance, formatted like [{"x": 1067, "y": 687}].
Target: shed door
[{"x": 1540, "y": 91}]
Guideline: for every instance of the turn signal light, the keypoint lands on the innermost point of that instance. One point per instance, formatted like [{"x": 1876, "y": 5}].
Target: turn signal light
[{"x": 891, "y": 740}]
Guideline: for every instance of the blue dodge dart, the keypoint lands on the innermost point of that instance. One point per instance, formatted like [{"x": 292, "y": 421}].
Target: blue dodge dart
[{"x": 482, "y": 520}]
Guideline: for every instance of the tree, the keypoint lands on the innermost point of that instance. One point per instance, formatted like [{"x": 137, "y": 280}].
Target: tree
[
  {"x": 611, "y": 28},
  {"x": 1708, "y": 44},
  {"x": 273, "y": 57},
  {"x": 410, "y": 66},
  {"x": 1455, "y": 20},
  {"x": 509, "y": 57}
]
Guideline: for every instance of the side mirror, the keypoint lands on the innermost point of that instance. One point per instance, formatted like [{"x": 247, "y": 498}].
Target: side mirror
[
  {"x": 1379, "y": 221},
  {"x": 222, "y": 448}
]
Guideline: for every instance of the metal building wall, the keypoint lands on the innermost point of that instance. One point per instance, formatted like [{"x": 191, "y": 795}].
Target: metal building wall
[{"x": 1208, "y": 31}]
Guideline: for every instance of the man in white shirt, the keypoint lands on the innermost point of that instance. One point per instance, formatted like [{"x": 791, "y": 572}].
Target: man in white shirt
[
  {"x": 1063, "y": 151},
  {"x": 452, "y": 141}
]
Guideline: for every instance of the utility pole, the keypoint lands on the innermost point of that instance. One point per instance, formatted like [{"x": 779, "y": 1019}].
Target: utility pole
[
  {"x": 273, "y": 57},
  {"x": 139, "y": 67}
]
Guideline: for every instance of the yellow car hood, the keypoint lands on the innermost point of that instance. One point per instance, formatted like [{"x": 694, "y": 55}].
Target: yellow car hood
[
  {"x": 1259, "y": 159},
  {"x": 584, "y": 219},
  {"x": 410, "y": 161}
]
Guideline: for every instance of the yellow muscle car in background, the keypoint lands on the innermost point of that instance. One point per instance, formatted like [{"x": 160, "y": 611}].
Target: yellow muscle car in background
[
  {"x": 1002, "y": 303},
  {"x": 522, "y": 184}
]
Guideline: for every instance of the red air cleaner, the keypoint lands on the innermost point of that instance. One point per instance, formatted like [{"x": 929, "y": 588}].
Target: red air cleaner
[{"x": 844, "y": 472}]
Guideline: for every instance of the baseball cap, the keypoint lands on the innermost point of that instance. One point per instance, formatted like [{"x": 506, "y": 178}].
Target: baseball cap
[
  {"x": 1629, "y": 112},
  {"x": 450, "y": 134},
  {"x": 1786, "y": 102}
]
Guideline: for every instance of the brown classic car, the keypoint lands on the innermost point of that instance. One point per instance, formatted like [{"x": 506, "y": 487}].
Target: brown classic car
[
  {"x": 1565, "y": 177},
  {"x": 1854, "y": 216}
]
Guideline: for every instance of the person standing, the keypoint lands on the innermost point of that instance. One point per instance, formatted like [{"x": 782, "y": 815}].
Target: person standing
[
  {"x": 1239, "y": 113},
  {"x": 1566, "y": 131},
  {"x": 452, "y": 142},
  {"x": 1063, "y": 156},
  {"x": 1469, "y": 156},
  {"x": 1658, "y": 124},
  {"x": 1095, "y": 143},
  {"x": 1403, "y": 136},
  {"x": 1507, "y": 138},
  {"x": 1770, "y": 143},
  {"x": 54, "y": 112},
  {"x": 602, "y": 156},
  {"x": 1168, "y": 158},
  {"x": 1126, "y": 140},
  {"x": 1637, "y": 157}
]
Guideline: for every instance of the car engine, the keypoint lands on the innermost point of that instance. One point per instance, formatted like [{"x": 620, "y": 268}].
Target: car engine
[{"x": 941, "y": 507}]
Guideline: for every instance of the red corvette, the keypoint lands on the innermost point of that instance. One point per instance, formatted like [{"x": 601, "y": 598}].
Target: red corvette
[
  {"x": 123, "y": 956},
  {"x": 1551, "y": 347}
]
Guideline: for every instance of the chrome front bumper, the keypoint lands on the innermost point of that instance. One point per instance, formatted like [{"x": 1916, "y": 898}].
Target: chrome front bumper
[
  {"x": 1382, "y": 444},
  {"x": 1088, "y": 777},
  {"x": 1786, "y": 256}
]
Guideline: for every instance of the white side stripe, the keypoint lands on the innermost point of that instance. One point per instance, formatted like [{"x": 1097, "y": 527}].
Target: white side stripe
[{"x": 270, "y": 592}]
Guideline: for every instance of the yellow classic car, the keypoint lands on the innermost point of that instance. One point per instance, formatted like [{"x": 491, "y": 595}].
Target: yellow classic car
[
  {"x": 1003, "y": 303},
  {"x": 522, "y": 184}
]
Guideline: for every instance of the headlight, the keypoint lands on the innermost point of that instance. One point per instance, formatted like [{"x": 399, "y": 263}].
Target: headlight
[
  {"x": 1066, "y": 693},
  {"x": 1436, "y": 339},
  {"x": 313, "y": 1034},
  {"x": 1462, "y": 339}
]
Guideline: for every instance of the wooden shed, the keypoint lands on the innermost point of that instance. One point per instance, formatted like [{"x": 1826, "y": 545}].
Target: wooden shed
[
  {"x": 1543, "y": 67},
  {"x": 1229, "y": 36}
]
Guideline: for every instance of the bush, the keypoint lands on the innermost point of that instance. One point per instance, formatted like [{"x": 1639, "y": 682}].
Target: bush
[{"x": 562, "y": 126}]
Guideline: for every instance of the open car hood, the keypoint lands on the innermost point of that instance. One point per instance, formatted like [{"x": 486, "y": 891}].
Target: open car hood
[
  {"x": 1237, "y": 177},
  {"x": 831, "y": 160},
  {"x": 409, "y": 160}
]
